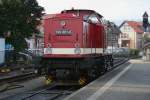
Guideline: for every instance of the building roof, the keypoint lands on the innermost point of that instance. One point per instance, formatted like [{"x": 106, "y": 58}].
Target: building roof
[
  {"x": 137, "y": 26},
  {"x": 114, "y": 27}
]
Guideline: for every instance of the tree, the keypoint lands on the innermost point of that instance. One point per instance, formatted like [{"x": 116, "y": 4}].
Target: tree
[
  {"x": 146, "y": 38},
  {"x": 20, "y": 18}
]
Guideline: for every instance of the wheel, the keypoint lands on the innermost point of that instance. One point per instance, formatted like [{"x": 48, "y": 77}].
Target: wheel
[{"x": 94, "y": 72}]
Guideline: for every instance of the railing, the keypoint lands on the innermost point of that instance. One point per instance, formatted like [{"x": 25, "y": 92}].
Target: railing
[
  {"x": 147, "y": 42},
  {"x": 2, "y": 57},
  {"x": 35, "y": 52},
  {"x": 9, "y": 56}
]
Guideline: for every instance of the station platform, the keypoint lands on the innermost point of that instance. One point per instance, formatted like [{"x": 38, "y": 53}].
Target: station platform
[{"x": 130, "y": 81}]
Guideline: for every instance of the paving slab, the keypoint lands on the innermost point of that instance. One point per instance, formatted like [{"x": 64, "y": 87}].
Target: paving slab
[{"x": 130, "y": 81}]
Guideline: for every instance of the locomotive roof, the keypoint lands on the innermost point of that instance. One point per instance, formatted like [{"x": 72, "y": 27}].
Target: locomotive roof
[
  {"x": 48, "y": 16},
  {"x": 82, "y": 11}
]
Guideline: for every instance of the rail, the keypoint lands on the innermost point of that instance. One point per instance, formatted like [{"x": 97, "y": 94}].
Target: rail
[
  {"x": 52, "y": 92},
  {"x": 5, "y": 81}
]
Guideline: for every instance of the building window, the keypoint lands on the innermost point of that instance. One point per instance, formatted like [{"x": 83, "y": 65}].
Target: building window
[{"x": 124, "y": 35}]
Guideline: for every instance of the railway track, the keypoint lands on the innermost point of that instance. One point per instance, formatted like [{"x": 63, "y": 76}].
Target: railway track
[
  {"x": 17, "y": 78},
  {"x": 119, "y": 62},
  {"x": 53, "y": 92},
  {"x": 6, "y": 83}
]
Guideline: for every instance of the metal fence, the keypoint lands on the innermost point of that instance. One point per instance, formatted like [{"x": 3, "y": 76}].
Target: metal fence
[
  {"x": 26, "y": 56},
  {"x": 2, "y": 57}
]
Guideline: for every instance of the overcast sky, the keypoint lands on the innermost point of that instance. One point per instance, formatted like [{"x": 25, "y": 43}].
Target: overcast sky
[{"x": 113, "y": 10}]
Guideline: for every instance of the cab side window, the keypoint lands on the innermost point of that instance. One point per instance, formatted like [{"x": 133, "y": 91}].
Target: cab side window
[{"x": 94, "y": 19}]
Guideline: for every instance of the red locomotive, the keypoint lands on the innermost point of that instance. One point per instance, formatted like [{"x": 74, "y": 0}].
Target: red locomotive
[{"x": 74, "y": 43}]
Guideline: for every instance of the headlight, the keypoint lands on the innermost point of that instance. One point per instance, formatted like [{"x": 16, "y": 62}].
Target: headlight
[
  {"x": 77, "y": 45},
  {"x": 49, "y": 45},
  {"x": 77, "y": 48},
  {"x": 77, "y": 51},
  {"x": 48, "y": 51}
]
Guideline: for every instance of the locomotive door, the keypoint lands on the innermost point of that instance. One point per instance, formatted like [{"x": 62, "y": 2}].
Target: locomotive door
[
  {"x": 87, "y": 43},
  {"x": 85, "y": 32},
  {"x": 94, "y": 33}
]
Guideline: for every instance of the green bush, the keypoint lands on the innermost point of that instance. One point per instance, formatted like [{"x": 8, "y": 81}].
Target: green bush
[{"x": 134, "y": 52}]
